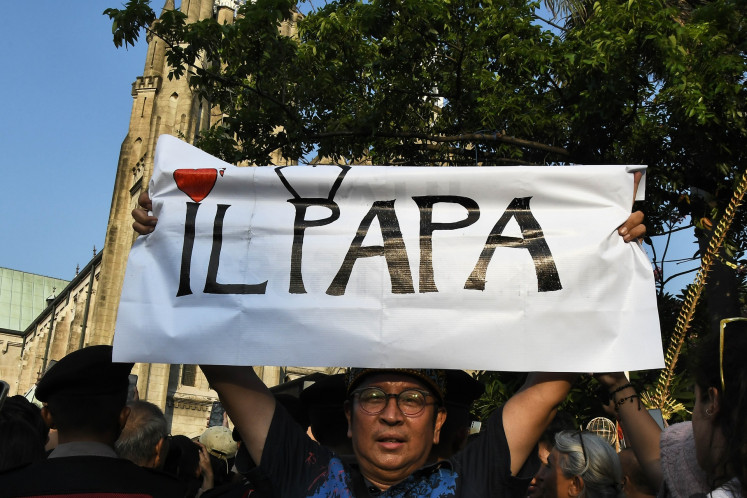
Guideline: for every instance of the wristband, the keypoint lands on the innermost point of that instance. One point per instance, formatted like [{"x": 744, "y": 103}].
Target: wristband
[
  {"x": 621, "y": 388},
  {"x": 626, "y": 398}
]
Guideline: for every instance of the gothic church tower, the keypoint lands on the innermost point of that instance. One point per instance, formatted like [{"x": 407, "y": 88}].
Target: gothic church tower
[
  {"x": 162, "y": 106},
  {"x": 159, "y": 106}
]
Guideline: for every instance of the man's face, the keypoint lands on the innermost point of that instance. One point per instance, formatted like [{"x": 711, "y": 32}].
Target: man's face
[
  {"x": 390, "y": 446},
  {"x": 552, "y": 483},
  {"x": 543, "y": 451},
  {"x": 627, "y": 463}
]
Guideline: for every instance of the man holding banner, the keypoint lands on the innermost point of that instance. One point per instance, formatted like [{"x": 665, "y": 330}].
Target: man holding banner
[
  {"x": 394, "y": 418},
  {"x": 394, "y": 413}
]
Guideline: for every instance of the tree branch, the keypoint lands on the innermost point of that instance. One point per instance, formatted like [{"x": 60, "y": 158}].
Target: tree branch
[
  {"x": 678, "y": 229},
  {"x": 550, "y": 23},
  {"x": 467, "y": 137},
  {"x": 678, "y": 275}
]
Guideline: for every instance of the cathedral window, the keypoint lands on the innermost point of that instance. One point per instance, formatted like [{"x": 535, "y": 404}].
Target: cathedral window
[{"x": 189, "y": 375}]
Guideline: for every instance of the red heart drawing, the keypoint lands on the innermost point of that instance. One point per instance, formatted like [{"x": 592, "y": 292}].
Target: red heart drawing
[{"x": 196, "y": 183}]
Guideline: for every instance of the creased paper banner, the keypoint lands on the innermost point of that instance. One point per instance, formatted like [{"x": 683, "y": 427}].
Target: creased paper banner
[{"x": 497, "y": 268}]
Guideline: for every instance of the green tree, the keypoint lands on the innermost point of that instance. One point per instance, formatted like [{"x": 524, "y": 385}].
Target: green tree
[
  {"x": 392, "y": 82},
  {"x": 466, "y": 82},
  {"x": 665, "y": 85}
]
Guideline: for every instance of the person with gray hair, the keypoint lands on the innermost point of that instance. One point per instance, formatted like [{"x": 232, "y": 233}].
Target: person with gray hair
[
  {"x": 144, "y": 438},
  {"x": 581, "y": 465}
]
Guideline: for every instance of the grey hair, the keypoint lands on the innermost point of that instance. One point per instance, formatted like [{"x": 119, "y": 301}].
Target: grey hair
[
  {"x": 601, "y": 472},
  {"x": 145, "y": 426}
]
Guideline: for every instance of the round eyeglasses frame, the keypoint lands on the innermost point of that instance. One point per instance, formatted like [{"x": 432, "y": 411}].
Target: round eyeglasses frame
[{"x": 411, "y": 402}]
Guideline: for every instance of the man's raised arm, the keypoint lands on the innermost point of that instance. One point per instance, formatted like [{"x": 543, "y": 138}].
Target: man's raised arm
[
  {"x": 528, "y": 413},
  {"x": 248, "y": 402}
]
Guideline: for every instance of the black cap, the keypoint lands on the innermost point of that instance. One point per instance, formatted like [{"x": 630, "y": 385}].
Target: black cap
[
  {"x": 86, "y": 372},
  {"x": 327, "y": 391},
  {"x": 432, "y": 377},
  {"x": 462, "y": 389}
]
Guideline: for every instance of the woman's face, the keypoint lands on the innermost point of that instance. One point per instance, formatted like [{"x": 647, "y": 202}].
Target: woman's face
[
  {"x": 703, "y": 430},
  {"x": 551, "y": 482}
]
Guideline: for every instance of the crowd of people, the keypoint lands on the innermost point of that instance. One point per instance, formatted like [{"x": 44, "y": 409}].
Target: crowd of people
[{"x": 374, "y": 432}]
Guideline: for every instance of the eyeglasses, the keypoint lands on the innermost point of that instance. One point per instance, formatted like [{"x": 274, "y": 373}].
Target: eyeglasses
[
  {"x": 373, "y": 400},
  {"x": 722, "y": 327}
]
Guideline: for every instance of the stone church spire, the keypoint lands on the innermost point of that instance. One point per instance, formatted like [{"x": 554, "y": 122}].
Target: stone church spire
[
  {"x": 159, "y": 106},
  {"x": 156, "y": 56}
]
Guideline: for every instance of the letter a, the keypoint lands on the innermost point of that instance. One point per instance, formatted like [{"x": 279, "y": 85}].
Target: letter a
[
  {"x": 533, "y": 240},
  {"x": 393, "y": 250}
]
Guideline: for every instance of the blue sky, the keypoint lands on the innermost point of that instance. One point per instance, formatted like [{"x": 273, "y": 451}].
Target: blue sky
[{"x": 67, "y": 104}]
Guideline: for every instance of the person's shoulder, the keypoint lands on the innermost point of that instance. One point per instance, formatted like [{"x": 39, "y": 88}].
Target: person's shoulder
[
  {"x": 24, "y": 480},
  {"x": 20, "y": 472},
  {"x": 732, "y": 489},
  {"x": 154, "y": 479},
  {"x": 88, "y": 474}
]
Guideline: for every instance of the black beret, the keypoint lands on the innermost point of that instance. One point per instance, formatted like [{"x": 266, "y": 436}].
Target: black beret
[
  {"x": 86, "y": 372},
  {"x": 325, "y": 392},
  {"x": 431, "y": 377},
  {"x": 462, "y": 389}
]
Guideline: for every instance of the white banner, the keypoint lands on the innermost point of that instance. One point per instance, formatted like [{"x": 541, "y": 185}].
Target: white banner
[{"x": 497, "y": 268}]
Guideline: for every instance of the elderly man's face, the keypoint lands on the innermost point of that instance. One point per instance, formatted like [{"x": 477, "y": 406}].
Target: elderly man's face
[{"x": 390, "y": 446}]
